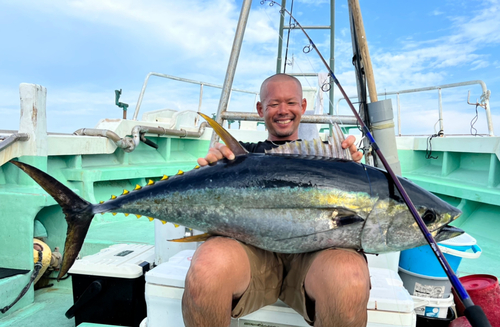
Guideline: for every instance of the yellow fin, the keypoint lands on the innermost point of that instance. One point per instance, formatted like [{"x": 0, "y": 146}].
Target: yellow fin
[
  {"x": 228, "y": 139},
  {"x": 180, "y": 172},
  {"x": 151, "y": 218},
  {"x": 137, "y": 187},
  {"x": 125, "y": 192},
  {"x": 101, "y": 202},
  {"x": 138, "y": 216},
  {"x": 113, "y": 197},
  {"x": 194, "y": 238},
  {"x": 150, "y": 182},
  {"x": 126, "y": 214},
  {"x": 176, "y": 225},
  {"x": 114, "y": 213},
  {"x": 165, "y": 177},
  {"x": 196, "y": 167},
  {"x": 163, "y": 222}
]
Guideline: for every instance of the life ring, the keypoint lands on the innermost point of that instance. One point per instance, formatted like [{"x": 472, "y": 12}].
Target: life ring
[{"x": 46, "y": 256}]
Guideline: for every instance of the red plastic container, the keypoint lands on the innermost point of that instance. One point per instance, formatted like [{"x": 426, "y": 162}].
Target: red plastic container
[
  {"x": 484, "y": 291},
  {"x": 460, "y": 322}
]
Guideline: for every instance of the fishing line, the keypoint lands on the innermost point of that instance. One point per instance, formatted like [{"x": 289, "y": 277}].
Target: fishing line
[{"x": 474, "y": 313}]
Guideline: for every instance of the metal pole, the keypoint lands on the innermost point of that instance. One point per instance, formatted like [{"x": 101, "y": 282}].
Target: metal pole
[
  {"x": 231, "y": 68},
  {"x": 332, "y": 54},
  {"x": 399, "y": 117},
  {"x": 280, "y": 39},
  {"x": 201, "y": 98},
  {"x": 441, "y": 123}
]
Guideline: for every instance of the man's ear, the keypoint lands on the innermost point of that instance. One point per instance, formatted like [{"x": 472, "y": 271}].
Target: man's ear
[
  {"x": 260, "y": 109},
  {"x": 304, "y": 105}
]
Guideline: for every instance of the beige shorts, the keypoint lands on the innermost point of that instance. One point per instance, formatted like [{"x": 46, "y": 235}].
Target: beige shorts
[{"x": 277, "y": 276}]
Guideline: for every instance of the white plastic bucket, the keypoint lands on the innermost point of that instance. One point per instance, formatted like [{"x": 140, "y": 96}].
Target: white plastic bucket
[{"x": 430, "y": 307}]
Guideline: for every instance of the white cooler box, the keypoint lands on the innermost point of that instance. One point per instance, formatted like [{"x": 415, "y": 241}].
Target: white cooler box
[{"x": 390, "y": 303}]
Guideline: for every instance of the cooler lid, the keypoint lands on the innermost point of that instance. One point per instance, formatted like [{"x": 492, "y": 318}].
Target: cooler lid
[
  {"x": 173, "y": 272},
  {"x": 388, "y": 293},
  {"x": 119, "y": 260}
]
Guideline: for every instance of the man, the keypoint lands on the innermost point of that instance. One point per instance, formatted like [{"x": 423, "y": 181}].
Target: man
[{"x": 228, "y": 278}]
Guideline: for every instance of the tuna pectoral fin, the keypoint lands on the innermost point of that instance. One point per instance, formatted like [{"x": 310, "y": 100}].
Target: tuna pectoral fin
[
  {"x": 78, "y": 212},
  {"x": 342, "y": 217},
  {"x": 194, "y": 238},
  {"x": 338, "y": 217},
  {"x": 228, "y": 139}
]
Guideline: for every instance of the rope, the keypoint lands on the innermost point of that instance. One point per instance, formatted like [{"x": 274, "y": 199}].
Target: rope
[
  {"x": 36, "y": 270},
  {"x": 428, "y": 150}
]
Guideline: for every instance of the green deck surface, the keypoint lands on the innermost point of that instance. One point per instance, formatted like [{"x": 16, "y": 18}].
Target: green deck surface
[{"x": 47, "y": 310}]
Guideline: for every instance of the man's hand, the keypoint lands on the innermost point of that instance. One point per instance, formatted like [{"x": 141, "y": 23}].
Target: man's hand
[
  {"x": 349, "y": 143},
  {"x": 216, "y": 153}
]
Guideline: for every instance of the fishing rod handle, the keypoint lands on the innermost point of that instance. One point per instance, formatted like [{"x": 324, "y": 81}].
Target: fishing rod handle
[{"x": 476, "y": 316}]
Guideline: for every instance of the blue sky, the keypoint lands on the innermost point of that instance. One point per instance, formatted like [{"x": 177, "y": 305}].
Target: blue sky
[{"x": 83, "y": 50}]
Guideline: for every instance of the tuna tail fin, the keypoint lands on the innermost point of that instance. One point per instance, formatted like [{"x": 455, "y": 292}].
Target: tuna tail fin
[
  {"x": 78, "y": 213},
  {"x": 228, "y": 139}
]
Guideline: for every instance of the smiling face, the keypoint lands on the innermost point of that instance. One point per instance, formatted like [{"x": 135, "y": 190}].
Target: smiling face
[{"x": 281, "y": 104}]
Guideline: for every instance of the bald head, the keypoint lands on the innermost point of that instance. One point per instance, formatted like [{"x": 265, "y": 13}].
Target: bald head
[{"x": 278, "y": 78}]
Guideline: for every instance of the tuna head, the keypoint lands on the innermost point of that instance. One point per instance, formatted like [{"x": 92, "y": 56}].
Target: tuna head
[{"x": 391, "y": 227}]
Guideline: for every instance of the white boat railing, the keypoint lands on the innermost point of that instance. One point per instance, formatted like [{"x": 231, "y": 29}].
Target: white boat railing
[
  {"x": 185, "y": 80},
  {"x": 485, "y": 101}
]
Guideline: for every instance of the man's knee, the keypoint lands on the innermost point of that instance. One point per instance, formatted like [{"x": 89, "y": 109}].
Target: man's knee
[
  {"x": 337, "y": 270},
  {"x": 218, "y": 261},
  {"x": 338, "y": 282}
]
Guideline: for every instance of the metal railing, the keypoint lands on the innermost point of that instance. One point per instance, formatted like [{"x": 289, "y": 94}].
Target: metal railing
[
  {"x": 180, "y": 79},
  {"x": 485, "y": 101},
  {"x": 6, "y": 141}
]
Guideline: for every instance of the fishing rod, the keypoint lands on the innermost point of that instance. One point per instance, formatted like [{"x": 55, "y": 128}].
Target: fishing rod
[{"x": 474, "y": 313}]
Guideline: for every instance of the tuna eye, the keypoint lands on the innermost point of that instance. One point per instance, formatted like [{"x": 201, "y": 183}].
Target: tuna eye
[{"x": 429, "y": 217}]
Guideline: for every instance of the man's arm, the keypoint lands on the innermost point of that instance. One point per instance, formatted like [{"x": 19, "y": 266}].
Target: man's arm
[{"x": 220, "y": 151}]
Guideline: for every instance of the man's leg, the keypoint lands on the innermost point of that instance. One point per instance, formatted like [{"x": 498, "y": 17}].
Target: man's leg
[
  {"x": 338, "y": 282},
  {"x": 219, "y": 274}
]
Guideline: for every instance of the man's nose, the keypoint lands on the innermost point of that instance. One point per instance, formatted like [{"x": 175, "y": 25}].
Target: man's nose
[{"x": 282, "y": 108}]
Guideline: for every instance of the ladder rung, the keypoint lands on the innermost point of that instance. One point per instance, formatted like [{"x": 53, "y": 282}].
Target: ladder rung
[{"x": 314, "y": 119}]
